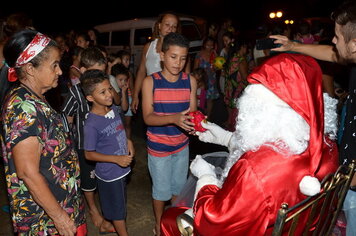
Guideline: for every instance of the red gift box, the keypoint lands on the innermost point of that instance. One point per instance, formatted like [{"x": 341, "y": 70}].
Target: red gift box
[{"x": 198, "y": 117}]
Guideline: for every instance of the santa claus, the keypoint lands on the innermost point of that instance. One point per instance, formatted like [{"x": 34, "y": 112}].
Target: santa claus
[{"x": 282, "y": 147}]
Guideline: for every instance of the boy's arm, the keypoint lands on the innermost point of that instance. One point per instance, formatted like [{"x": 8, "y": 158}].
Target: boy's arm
[
  {"x": 193, "y": 94},
  {"x": 121, "y": 160},
  {"x": 124, "y": 99},
  {"x": 151, "y": 119}
]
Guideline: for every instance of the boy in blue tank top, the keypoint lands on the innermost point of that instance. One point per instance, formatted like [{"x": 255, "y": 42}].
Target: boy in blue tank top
[
  {"x": 167, "y": 98},
  {"x": 105, "y": 143}
]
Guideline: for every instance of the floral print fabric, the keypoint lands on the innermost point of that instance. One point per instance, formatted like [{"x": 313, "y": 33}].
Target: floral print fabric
[
  {"x": 212, "y": 91},
  {"x": 234, "y": 85},
  {"x": 25, "y": 115}
]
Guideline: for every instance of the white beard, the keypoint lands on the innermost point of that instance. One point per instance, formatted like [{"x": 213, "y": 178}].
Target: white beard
[{"x": 264, "y": 119}]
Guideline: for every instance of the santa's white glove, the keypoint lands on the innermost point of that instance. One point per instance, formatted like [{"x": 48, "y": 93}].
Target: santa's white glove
[
  {"x": 200, "y": 167},
  {"x": 205, "y": 173},
  {"x": 214, "y": 134}
]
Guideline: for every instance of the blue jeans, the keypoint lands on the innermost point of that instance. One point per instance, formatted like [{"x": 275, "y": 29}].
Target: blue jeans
[
  {"x": 168, "y": 174},
  {"x": 349, "y": 208}
]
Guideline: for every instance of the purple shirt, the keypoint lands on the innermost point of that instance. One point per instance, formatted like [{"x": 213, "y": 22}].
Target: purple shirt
[{"x": 106, "y": 136}]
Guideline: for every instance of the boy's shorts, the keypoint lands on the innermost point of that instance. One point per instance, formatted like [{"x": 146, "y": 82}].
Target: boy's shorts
[
  {"x": 168, "y": 174},
  {"x": 113, "y": 198},
  {"x": 87, "y": 172}
]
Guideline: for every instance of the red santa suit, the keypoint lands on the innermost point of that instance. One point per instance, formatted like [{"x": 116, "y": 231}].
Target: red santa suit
[{"x": 260, "y": 181}]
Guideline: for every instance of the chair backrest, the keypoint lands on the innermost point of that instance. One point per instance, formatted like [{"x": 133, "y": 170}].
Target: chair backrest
[{"x": 318, "y": 213}]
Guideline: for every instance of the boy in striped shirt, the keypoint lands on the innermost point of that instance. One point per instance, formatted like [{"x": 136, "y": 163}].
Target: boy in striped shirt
[{"x": 168, "y": 97}]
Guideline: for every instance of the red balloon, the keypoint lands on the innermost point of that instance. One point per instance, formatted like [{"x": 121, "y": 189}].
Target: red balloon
[{"x": 198, "y": 117}]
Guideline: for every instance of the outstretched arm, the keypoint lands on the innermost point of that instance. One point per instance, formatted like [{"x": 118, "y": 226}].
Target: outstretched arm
[{"x": 321, "y": 52}]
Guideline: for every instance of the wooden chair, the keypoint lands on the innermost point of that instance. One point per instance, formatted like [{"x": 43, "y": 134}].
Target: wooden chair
[
  {"x": 319, "y": 212},
  {"x": 322, "y": 209}
]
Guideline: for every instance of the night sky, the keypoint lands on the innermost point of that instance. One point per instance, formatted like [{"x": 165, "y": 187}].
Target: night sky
[{"x": 63, "y": 15}]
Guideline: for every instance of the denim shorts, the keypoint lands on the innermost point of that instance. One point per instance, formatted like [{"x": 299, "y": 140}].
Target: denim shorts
[
  {"x": 168, "y": 174},
  {"x": 349, "y": 209}
]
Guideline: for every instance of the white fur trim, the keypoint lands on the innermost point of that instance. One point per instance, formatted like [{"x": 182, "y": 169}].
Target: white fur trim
[
  {"x": 330, "y": 116},
  {"x": 205, "y": 180},
  {"x": 309, "y": 185}
]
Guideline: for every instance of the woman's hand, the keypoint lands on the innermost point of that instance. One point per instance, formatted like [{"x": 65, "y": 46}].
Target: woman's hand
[
  {"x": 64, "y": 224},
  {"x": 134, "y": 103}
]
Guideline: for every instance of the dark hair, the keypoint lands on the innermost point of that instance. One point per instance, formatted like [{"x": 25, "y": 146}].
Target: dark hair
[
  {"x": 174, "y": 39},
  {"x": 207, "y": 39},
  {"x": 201, "y": 72},
  {"x": 119, "y": 69},
  {"x": 16, "y": 22},
  {"x": 304, "y": 28},
  {"x": 345, "y": 15},
  {"x": 228, "y": 34},
  {"x": 90, "y": 78},
  {"x": 12, "y": 50},
  {"x": 76, "y": 51},
  {"x": 155, "y": 33},
  {"x": 91, "y": 56},
  {"x": 120, "y": 54},
  {"x": 84, "y": 35},
  {"x": 233, "y": 49}
]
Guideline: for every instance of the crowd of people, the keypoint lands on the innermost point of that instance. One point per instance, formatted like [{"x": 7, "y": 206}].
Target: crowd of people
[{"x": 67, "y": 106}]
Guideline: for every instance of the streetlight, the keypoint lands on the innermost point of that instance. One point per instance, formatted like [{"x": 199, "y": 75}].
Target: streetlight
[
  {"x": 277, "y": 14},
  {"x": 272, "y": 15}
]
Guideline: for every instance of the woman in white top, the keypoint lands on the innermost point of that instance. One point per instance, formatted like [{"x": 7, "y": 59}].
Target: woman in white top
[{"x": 150, "y": 60}]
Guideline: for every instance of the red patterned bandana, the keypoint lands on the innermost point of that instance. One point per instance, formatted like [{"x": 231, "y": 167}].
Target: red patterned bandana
[{"x": 38, "y": 43}]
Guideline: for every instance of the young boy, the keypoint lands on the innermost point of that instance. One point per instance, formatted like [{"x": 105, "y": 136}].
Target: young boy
[
  {"x": 105, "y": 143},
  {"x": 167, "y": 98},
  {"x": 76, "y": 106}
]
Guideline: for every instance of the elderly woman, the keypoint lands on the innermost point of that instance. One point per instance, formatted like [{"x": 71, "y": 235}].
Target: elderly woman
[{"x": 41, "y": 166}]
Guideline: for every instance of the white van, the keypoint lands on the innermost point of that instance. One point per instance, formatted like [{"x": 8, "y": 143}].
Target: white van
[{"x": 137, "y": 32}]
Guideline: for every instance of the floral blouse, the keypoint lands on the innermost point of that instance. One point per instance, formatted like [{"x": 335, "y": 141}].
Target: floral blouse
[{"x": 25, "y": 115}]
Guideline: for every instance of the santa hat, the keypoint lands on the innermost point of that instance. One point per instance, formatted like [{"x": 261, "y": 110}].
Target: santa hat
[{"x": 297, "y": 80}]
